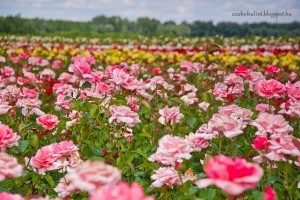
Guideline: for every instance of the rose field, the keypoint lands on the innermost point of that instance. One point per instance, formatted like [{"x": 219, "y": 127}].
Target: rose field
[{"x": 146, "y": 118}]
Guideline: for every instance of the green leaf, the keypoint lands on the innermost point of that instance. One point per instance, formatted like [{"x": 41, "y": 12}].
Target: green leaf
[
  {"x": 23, "y": 144},
  {"x": 50, "y": 180},
  {"x": 191, "y": 122},
  {"x": 97, "y": 151},
  {"x": 93, "y": 109},
  {"x": 141, "y": 152}
]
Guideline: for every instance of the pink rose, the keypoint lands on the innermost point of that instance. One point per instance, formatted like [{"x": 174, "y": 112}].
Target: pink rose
[
  {"x": 269, "y": 194},
  {"x": 293, "y": 90},
  {"x": 270, "y": 89},
  {"x": 93, "y": 175},
  {"x": 233, "y": 175},
  {"x": 260, "y": 143},
  {"x": 293, "y": 76},
  {"x": 272, "y": 69},
  {"x": 242, "y": 70},
  {"x": 171, "y": 150},
  {"x": 165, "y": 176},
  {"x": 262, "y": 107},
  {"x": 80, "y": 68},
  {"x": 171, "y": 115},
  {"x": 29, "y": 93},
  {"x": 156, "y": 71},
  {"x": 8, "y": 196},
  {"x": 7, "y": 137},
  {"x": 121, "y": 191},
  {"x": 9, "y": 167},
  {"x": 48, "y": 121},
  {"x": 269, "y": 123},
  {"x": 230, "y": 127},
  {"x": 123, "y": 114},
  {"x": 197, "y": 141}
]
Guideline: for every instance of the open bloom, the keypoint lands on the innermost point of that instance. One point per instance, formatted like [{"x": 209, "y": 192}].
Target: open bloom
[
  {"x": 123, "y": 114},
  {"x": 171, "y": 150},
  {"x": 93, "y": 175},
  {"x": 293, "y": 90},
  {"x": 7, "y": 137},
  {"x": 165, "y": 176},
  {"x": 233, "y": 175},
  {"x": 121, "y": 191},
  {"x": 270, "y": 89},
  {"x": 8, "y": 196},
  {"x": 9, "y": 167},
  {"x": 48, "y": 121},
  {"x": 171, "y": 115}
]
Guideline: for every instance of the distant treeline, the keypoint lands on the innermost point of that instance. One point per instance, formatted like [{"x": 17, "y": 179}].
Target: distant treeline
[{"x": 144, "y": 26}]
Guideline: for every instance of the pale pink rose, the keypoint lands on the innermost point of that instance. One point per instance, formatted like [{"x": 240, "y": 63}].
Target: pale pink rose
[
  {"x": 262, "y": 107},
  {"x": 236, "y": 112},
  {"x": 170, "y": 115},
  {"x": 131, "y": 100},
  {"x": 93, "y": 175},
  {"x": 121, "y": 191},
  {"x": 47, "y": 74},
  {"x": 204, "y": 105},
  {"x": 293, "y": 90},
  {"x": 233, "y": 175},
  {"x": 80, "y": 68},
  {"x": 270, "y": 89},
  {"x": 269, "y": 123},
  {"x": 7, "y": 137},
  {"x": 29, "y": 93},
  {"x": 4, "y": 108},
  {"x": 207, "y": 132},
  {"x": 28, "y": 78},
  {"x": 171, "y": 150},
  {"x": 9, "y": 167},
  {"x": 187, "y": 88},
  {"x": 8, "y": 196},
  {"x": 64, "y": 148},
  {"x": 123, "y": 114},
  {"x": 63, "y": 188},
  {"x": 190, "y": 98},
  {"x": 293, "y": 76},
  {"x": 290, "y": 108},
  {"x": 220, "y": 91},
  {"x": 281, "y": 146},
  {"x": 229, "y": 126},
  {"x": 61, "y": 102},
  {"x": 165, "y": 176},
  {"x": 196, "y": 142},
  {"x": 269, "y": 193},
  {"x": 48, "y": 121},
  {"x": 127, "y": 81}
]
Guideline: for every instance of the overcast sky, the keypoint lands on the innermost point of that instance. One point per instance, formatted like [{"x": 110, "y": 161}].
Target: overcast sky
[{"x": 164, "y": 10}]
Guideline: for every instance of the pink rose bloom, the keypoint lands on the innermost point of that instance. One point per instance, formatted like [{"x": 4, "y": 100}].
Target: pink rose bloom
[
  {"x": 44, "y": 159},
  {"x": 29, "y": 93},
  {"x": 204, "y": 105},
  {"x": 7, "y": 137},
  {"x": 64, "y": 148},
  {"x": 293, "y": 90},
  {"x": 9, "y": 167},
  {"x": 269, "y": 194},
  {"x": 56, "y": 64},
  {"x": 269, "y": 123},
  {"x": 233, "y": 175},
  {"x": 165, "y": 176},
  {"x": 196, "y": 142},
  {"x": 236, "y": 112},
  {"x": 80, "y": 68},
  {"x": 171, "y": 115},
  {"x": 242, "y": 70},
  {"x": 48, "y": 121},
  {"x": 47, "y": 74},
  {"x": 290, "y": 108},
  {"x": 8, "y": 196},
  {"x": 63, "y": 189},
  {"x": 293, "y": 76},
  {"x": 93, "y": 175},
  {"x": 260, "y": 143},
  {"x": 262, "y": 107},
  {"x": 171, "y": 150},
  {"x": 121, "y": 191},
  {"x": 120, "y": 77},
  {"x": 230, "y": 127},
  {"x": 123, "y": 114},
  {"x": 156, "y": 71},
  {"x": 270, "y": 89},
  {"x": 272, "y": 69}
]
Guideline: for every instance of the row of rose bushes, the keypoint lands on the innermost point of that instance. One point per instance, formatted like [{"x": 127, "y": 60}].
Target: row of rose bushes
[{"x": 75, "y": 129}]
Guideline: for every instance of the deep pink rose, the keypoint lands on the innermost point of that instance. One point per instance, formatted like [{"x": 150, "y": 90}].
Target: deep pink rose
[
  {"x": 260, "y": 143},
  {"x": 8, "y": 196},
  {"x": 269, "y": 194},
  {"x": 233, "y": 175}
]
